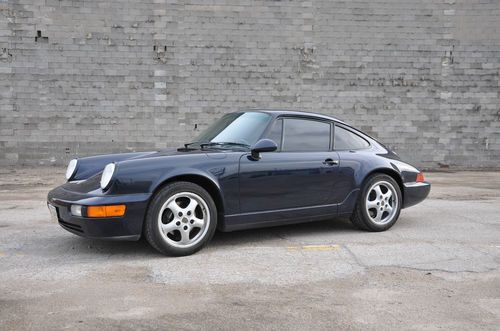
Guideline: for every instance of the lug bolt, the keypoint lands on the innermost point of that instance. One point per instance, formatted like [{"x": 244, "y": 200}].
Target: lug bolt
[
  {"x": 192, "y": 221},
  {"x": 178, "y": 223},
  {"x": 180, "y": 214},
  {"x": 185, "y": 227},
  {"x": 189, "y": 213}
]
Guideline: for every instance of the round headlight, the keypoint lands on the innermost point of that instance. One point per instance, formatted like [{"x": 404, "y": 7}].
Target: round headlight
[
  {"x": 70, "y": 171},
  {"x": 107, "y": 174}
]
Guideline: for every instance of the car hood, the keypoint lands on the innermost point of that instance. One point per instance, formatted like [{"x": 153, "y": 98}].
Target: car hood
[{"x": 93, "y": 165}]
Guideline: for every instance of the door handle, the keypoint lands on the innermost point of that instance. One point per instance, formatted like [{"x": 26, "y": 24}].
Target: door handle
[{"x": 330, "y": 162}]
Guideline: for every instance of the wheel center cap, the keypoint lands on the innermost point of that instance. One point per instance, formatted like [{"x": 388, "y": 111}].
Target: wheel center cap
[{"x": 184, "y": 220}]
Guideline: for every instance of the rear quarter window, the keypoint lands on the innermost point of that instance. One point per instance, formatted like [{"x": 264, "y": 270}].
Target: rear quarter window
[{"x": 347, "y": 140}]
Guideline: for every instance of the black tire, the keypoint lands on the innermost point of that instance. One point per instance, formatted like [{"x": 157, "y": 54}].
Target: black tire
[
  {"x": 360, "y": 217},
  {"x": 152, "y": 230}
]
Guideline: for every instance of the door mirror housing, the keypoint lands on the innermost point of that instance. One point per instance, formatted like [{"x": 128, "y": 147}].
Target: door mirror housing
[{"x": 263, "y": 146}]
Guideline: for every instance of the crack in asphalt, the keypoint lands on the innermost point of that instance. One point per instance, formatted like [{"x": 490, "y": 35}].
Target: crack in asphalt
[{"x": 355, "y": 257}]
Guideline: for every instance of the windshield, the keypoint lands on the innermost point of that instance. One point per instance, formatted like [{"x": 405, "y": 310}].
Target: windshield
[{"x": 235, "y": 128}]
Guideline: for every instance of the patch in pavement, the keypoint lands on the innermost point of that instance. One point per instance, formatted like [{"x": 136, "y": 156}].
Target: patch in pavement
[{"x": 264, "y": 265}]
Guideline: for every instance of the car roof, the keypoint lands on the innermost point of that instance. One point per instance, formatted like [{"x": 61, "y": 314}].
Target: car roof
[
  {"x": 281, "y": 112},
  {"x": 284, "y": 112}
]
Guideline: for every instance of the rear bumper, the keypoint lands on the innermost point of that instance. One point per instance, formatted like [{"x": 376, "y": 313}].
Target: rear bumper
[
  {"x": 415, "y": 193},
  {"x": 127, "y": 227}
]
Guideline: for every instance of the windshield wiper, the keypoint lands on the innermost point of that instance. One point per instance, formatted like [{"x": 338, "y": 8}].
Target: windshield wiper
[
  {"x": 204, "y": 144},
  {"x": 214, "y": 143},
  {"x": 189, "y": 144}
]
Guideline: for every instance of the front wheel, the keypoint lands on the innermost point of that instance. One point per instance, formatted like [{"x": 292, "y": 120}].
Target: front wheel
[
  {"x": 379, "y": 204},
  {"x": 181, "y": 219}
]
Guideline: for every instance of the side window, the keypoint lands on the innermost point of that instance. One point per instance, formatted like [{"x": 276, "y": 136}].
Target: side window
[
  {"x": 275, "y": 133},
  {"x": 305, "y": 135},
  {"x": 347, "y": 140}
]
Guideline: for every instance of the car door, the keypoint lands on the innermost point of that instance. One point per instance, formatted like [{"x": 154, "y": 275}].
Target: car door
[{"x": 299, "y": 174}]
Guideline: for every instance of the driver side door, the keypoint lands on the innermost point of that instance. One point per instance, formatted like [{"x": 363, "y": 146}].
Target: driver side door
[{"x": 297, "y": 179}]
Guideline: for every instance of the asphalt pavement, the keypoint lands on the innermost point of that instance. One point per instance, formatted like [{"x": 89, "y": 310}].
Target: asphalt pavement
[{"x": 437, "y": 268}]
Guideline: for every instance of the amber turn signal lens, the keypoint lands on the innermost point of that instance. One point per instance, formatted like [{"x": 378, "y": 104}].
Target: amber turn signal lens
[
  {"x": 420, "y": 177},
  {"x": 106, "y": 211}
]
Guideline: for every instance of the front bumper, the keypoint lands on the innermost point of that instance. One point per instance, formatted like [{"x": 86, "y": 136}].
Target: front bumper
[
  {"x": 415, "y": 193},
  {"x": 127, "y": 227}
]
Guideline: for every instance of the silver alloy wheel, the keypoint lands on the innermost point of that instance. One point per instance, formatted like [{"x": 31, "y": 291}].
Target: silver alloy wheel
[
  {"x": 184, "y": 219},
  {"x": 381, "y": 202}
]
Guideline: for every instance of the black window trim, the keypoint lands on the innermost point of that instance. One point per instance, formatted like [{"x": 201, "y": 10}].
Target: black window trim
[
  {"x": 269, "y": 129},
  {"x": 347, "y": 128},
  {"x": 282, "y": 138}
]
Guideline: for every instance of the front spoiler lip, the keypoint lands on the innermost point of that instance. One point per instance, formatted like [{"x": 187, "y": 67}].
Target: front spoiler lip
[
  {"x": 132, "y": 237},
  {"x": 92, "y": 231}
]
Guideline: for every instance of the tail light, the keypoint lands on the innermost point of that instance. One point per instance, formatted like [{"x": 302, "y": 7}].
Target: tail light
[{"x": 420, "y": 177}]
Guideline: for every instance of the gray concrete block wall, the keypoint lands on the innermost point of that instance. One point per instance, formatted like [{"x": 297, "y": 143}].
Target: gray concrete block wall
[{"x": 89, "y": 77}]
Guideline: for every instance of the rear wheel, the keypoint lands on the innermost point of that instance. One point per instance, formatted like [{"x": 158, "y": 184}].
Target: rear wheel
[
  {"x": 379, "y": 204},
  {"x": 181, "y": 219}
]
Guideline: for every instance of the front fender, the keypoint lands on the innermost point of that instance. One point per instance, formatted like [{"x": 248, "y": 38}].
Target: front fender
[
  {"x": 219, "y": 173},
  {"x": 145, "y": 175},
  {"x": 180, "y": 172}
]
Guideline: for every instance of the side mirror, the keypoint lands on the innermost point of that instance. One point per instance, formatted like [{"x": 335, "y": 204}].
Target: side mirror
[{"x": 262, "y": 146}]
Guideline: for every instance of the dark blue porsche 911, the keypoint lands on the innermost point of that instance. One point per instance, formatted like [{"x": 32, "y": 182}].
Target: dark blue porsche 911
[{"x": 250, "y": 169}]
